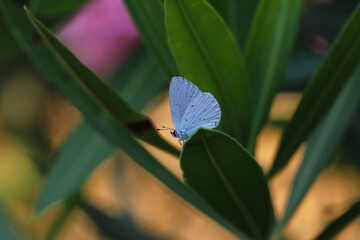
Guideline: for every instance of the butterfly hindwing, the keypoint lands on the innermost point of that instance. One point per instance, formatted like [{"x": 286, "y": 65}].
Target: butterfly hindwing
[
  {"x": 181, "y": 93},
  {"x": 203, "y": 111}
]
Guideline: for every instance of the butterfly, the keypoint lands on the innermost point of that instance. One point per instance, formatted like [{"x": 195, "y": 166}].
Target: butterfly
[{"x": 191, "y": 109}]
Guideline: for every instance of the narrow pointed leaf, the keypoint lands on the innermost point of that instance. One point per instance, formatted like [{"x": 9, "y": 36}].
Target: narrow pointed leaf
[
  {"x": 267, "y": 53},
  {"x": 82, "y": 153},
  {"x": 51, "y": 8},
  {"x": 9, "y": 47},
  {"x": 222, "y": 172},
  {"x": 238, "y": 14},
  {"x": 207, "y": 55},
  {"x": 6, "y": 228},
  {"x": 148, "y": 16},
  {"x": 62, "y": 217},
  {"x": 138, "y": 81},
  {"x": 99, "y": 119},
  {"x": 137, "y": 123},
  {"x": 122, "y": 227},
  {"x": 340, "y": 223},
  {"x": 322, "y": 91},
  {"x": 322, "y": 145}
]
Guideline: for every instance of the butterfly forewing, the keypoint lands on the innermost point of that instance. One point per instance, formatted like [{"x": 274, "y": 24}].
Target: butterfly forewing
[
  {"x": 203, "y": 111},
  {"x": 181, "y": 93}
]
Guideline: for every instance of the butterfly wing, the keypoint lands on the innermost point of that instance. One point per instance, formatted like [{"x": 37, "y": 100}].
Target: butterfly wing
[
  {"x": 181, "y": 93},
  {"x": 203, "y": 111}
]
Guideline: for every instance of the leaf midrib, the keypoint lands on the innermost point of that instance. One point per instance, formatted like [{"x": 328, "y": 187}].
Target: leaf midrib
[
  {"x": 238, "y": 202},
  {"x": 212, "y": 68}
]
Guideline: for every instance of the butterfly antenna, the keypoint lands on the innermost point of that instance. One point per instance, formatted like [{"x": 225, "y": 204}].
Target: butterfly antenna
[{"x": 165, "y": 128}]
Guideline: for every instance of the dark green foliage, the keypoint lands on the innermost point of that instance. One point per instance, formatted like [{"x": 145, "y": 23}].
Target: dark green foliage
[
  {"x": 267, "y": 53},
  {"x": 239, "y": 50},
  {"x": 138, "y": 81},
  {"x": 341, "y": 61},
  {"x": 207, "y": 55},
  {"x": 148, "y": 16},
  {"x": 220, "y": 170},
  {"x": 323, "y": 144}
]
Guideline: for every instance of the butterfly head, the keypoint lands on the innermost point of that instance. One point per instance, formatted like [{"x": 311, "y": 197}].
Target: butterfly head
[{"x": 174, "y": 134}]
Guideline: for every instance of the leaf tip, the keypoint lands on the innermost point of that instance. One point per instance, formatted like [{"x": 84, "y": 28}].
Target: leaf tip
[{"x": 26, "y": 9}]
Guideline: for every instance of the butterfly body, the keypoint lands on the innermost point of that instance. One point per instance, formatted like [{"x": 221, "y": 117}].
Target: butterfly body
[{"x": 191, "y": 108}]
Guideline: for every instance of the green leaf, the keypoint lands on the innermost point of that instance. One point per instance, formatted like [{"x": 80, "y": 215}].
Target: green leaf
[
  {"x": 322, "y": 145},
  {"x": 148, "y": 16},
  {"x": 322, "y": 91},
  {"x": 115, "y": 228},
  {"x": 115, "y": 105},
  {"x": 99, "y": 119},
  {"x": 54, "y": 8},
  {"x": 222, "y": 172},
  {"x": 238, "y": 15},
  {"x": 138, "y": 81},
  {"x": 207, "y": 55},
  {"x": 267, "y": 53},
  {"x": 8, "y": 47},
  {"x": 6, "y": 230},
  {"x": 84, "y": 151},
  {"x": 340, "y": 223},
  {"x": 327, "y": 19},
  {"x": 63, "y": 215}
]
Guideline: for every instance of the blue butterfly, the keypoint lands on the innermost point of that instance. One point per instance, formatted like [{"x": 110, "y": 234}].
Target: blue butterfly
[{"x": 191, "y": 109}]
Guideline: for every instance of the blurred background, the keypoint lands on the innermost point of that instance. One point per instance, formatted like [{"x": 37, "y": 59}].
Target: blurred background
[{"x": 35, "y": 121}]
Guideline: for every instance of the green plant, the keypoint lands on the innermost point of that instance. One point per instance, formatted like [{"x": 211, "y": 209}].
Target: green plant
[{"x": 244, "y": 72}]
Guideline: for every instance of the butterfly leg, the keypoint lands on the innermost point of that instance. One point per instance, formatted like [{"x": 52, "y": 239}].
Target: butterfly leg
[{"x": 181, "y": 145}]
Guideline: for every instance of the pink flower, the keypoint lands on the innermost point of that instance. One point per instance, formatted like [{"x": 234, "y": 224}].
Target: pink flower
[{"x": 101, "y": 35}]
